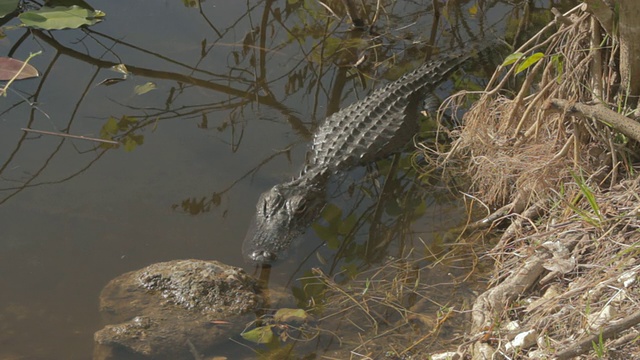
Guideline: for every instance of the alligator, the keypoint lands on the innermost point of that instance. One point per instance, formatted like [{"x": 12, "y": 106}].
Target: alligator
[{"x": 375, "y": 127}]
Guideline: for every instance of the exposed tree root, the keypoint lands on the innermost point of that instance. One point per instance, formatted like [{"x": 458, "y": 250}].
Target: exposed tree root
[{"x": 618, "y": 122}]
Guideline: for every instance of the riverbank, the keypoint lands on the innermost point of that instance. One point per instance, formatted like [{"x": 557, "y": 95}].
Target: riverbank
[{"x": 553, "y": 166}]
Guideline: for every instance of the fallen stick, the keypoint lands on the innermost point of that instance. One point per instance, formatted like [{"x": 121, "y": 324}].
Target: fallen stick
[
  {"x": 607, "y": 332},
  {"x": 618, "y": 122},
  {"x": 79, "y": 137}
]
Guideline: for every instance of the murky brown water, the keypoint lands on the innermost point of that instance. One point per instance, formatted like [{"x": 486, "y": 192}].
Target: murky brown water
[{"x": 237, "y": 83}]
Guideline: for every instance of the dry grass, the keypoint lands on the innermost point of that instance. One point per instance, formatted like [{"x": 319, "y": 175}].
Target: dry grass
[{"x": 517, "y": 147}]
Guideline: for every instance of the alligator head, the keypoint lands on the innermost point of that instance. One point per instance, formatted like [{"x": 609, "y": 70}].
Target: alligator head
[{"x": 282, "y": 214}]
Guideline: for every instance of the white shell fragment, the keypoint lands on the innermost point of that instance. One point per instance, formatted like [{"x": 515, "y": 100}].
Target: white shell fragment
[{"x": 522, "y": 341}]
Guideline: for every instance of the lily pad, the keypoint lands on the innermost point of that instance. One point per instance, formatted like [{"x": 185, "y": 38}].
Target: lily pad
[
  {"x": 60, "y": 17},
  {"x": 10, "y": 68}
]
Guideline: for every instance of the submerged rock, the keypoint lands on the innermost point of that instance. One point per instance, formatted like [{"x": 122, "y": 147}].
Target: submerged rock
[{"x": 175, "y": 309}]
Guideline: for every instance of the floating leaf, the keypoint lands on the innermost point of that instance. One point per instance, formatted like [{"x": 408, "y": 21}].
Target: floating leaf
[
  {"x": 111, "y": 81},
  {"x": 512, "y": 58},
  {"x": 259, "y": 335},
  {"x": 291, "y": 315},
  {"x": 8, "y": 6},
  {"x": 528, "y": 62},
  {"x": 121, "y": 68},
  {"x": 143, "y": 89},
  {"x": 69, "y": 3},
  {"x": 10, "y": 68},
  {"x": 60, "y": 17}
]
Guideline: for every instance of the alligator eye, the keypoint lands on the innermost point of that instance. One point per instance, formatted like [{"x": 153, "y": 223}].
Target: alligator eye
[
  {"x": 271, "y": 203},
  {"x": 301, "y": 206}
]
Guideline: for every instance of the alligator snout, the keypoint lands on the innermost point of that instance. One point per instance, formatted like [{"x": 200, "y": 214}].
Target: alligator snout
[{"x": 262, "y": 257}]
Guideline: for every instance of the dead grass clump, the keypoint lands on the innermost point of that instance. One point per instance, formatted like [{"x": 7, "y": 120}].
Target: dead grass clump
[{"x": 518, "y": 148}]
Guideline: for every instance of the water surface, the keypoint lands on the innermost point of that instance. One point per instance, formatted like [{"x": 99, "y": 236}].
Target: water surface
[{"x": 240, "y": 87}]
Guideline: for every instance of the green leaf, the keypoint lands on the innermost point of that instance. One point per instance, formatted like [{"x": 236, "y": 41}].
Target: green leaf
[
  {"x": 290, "y": 315},
  {"x": 143, "y": 89},
  {"x": 10, "y": 68},
  {"x": 322, "y": 231},
  {"x": 328, "y": 234},
  {"x": 132, "y": 141},
  {"x": 60, "y": 17},
  {"x": 331, "y": 213},
  {"x": 528, "y": 62},
  {"x": 557, "y": 61},
  {"x": 512, "y": 58},
  {"x": 109, "y": 128},
  {"x": 8, "y": 6},
  {"x": 347, "y": 224},
  {"x": 259, "y": 335},
  {"x": 588, "y": 194}
]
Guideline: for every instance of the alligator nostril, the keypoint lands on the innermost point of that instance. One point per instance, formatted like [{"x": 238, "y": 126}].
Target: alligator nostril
[{"x": 263, "y": 256}]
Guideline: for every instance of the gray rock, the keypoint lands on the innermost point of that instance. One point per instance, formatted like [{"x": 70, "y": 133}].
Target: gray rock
[{"x": 175, "y": 309}]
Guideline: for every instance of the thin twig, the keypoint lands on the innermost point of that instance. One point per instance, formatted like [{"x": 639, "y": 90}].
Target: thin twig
[{"x": 79, "y": 137}]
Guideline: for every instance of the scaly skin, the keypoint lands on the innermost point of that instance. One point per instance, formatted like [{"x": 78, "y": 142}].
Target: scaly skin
[{"x": 370, "y": 129}]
